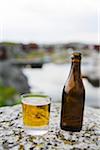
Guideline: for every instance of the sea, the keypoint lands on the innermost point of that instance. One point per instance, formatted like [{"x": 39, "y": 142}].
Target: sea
[{"x": 51, "y": 78}]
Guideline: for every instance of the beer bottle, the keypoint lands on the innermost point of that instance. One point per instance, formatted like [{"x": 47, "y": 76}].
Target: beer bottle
[{"x": 73, "y": 97}]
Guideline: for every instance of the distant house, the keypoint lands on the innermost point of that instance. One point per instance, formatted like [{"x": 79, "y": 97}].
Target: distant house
[
  {"x": 76, "y": 45},
  {"x": 29, "y": 47},
  {"x": 97, "y": 48},
  {"x": 11, "y": 50},
  {"x": 48, "y": 47},
  {"x": 3, "y": 53}
]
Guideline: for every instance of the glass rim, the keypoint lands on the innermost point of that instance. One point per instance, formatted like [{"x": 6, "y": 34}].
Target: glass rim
[{"x": 40, "y": 95}]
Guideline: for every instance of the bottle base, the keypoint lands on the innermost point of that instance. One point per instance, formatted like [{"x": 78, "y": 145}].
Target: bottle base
[{"x": 72, "y": 129}]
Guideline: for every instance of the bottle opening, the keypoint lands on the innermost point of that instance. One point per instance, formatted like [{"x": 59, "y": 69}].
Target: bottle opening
[{"x": 76, "y": 55}]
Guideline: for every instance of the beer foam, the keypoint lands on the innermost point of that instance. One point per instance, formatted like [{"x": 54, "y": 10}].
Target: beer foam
[{"x": 36, "y": 101}]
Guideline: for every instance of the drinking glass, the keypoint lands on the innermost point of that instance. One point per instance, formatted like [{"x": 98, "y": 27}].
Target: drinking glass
[{"x": 36, "y": 113}]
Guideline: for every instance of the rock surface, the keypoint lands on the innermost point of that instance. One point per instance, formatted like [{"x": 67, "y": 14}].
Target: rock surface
[{"x": 12, "y": 136}]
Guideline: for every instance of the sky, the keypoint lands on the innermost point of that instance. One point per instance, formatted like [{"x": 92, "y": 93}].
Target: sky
[{"x": 49, "y": 21}]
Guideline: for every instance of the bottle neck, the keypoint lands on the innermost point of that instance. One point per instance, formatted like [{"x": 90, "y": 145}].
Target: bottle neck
[{"x": 75, "y": 69}]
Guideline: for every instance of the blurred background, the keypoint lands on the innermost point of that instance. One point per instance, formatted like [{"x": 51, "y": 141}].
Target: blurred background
[{"x": 37, "y": 38}]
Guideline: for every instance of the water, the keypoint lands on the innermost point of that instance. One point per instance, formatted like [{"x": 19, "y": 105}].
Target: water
[{"x": 51, "y": 78}]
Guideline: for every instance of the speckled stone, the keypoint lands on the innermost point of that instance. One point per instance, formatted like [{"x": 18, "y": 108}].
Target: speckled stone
[{"x": 12, "y": 136}]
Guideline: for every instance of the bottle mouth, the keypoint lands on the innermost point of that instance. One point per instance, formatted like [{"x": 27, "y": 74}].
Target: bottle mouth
[{"x": 76, "y": 55}]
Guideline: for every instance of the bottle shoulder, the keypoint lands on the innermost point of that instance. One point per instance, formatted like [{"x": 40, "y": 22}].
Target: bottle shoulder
[{"x": 74, "y": 85}]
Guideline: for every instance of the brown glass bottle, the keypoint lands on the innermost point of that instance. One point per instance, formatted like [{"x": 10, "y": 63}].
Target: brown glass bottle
[{"x": 73, "y": 97}]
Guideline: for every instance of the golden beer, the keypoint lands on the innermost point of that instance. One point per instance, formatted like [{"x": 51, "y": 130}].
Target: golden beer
[
  {"x": 36, "y": 113},
  {"x": 35, "y": 116}
]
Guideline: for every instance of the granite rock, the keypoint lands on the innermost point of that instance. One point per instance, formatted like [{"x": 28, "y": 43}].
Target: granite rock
[{"x": 13, "y": 137}]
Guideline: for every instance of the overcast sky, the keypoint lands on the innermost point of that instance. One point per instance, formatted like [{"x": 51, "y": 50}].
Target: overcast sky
[{"x": 47, "y": 21}]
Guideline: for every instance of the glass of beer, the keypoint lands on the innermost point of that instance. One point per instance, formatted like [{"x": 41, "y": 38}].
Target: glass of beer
[{"x": 36, "y": 113}]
